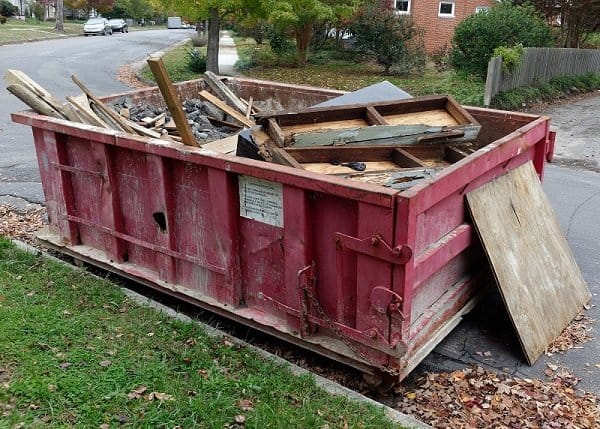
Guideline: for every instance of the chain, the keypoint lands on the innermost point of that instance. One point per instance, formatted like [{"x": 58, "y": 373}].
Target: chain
[{"x": 336, "y": 330}]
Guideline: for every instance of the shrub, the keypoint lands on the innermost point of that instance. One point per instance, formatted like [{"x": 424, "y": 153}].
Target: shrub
[
  {"x": 38, "y": 11},
  {"x": 386, "y": 37},
  {"x": 476, "y": 37},
  {"x": 196, "y": 61},
  {"x": 199, "y": 40},
  {"x": 7, "y": 9},
  {"x": 441, "y": 58},
  {"x": 280, "y": 43},
  {"x": 2, "y": 19},
  {"x": 511, "y": 57}
]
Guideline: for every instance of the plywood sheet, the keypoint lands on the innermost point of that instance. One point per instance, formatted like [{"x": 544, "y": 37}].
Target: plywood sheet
[
  {"x": 539, "y": 281},
  {"x": 428, "y": 117},
  {"x": 322, "y": 126}
]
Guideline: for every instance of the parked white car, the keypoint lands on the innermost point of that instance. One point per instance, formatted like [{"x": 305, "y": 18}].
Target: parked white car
[{"x": 97, "y": 26}]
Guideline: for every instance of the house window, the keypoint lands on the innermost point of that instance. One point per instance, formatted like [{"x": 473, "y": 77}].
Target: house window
[
  {"x": 446, "y": 9},
  {"x": 402, "y": 6},
  {"x": 479, "y": 9}
]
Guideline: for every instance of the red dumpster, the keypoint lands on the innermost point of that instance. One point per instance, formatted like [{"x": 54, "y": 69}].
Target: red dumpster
[{"x": 364, "y": 274}]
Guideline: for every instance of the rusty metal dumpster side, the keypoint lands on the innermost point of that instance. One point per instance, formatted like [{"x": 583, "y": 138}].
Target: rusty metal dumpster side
[{"x": 358, "y": 272}]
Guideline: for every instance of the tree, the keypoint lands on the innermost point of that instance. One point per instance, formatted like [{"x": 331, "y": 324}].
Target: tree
[
  {"x": 577, "y": 19},
  {"x": 299, "y": 16},
  {"x": 60, "y": 12},
  {"x": 476, "y": 37},
  {"x": 7, "y": 8},
  {"x": 386, "y": 37}
]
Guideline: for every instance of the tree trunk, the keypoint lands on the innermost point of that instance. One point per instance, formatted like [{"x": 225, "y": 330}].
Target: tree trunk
[
  {"x": 212, "y": 50},
  {"x": 303, "y": 36},
  {"x": 59, "y": 26}
]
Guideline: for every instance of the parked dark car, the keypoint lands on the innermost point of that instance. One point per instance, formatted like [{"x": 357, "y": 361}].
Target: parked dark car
[
  {"x": 97, "y": 26},
  {"x": 118, "y": 24}
]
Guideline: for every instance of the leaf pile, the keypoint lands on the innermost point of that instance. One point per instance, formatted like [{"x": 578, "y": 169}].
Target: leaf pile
[
  {"x": 477, "y": 398},
  {"x": 21, "y": 224},
  {"x": 576, "y": 333}
]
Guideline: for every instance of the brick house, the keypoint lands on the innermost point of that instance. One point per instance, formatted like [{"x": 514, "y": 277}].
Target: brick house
[{"x": 439, "y": 17}]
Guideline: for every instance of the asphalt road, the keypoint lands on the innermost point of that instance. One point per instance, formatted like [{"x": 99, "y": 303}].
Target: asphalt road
[
  {"x": 95, "y": 60},
  {"x": 574, "y": 192}
]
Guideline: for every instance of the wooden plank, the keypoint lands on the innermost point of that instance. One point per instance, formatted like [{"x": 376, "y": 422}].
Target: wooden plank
[
  {"x": 249, "y": 107},
  {"x": 377, "y": 135},
  {"x": 364, "y": 153},
  {"x": 223, "y": 91},
  {"x": 405, "y": 159},
  {"x": 85, "y": 111},
  {"x": 323, "y": 126},
  {"x": 32, "y": 100},
  {"x": 275, "y": 132},
  {"x": 440, "y": 117},
  {"x": 227, "y": 109},
  {"x": 374, "y": 117},
  {"x": 172, "y": 100},
  {"x": 454, "y": 154},
  {"x": 114, "y": 116},
  {"x": 280, "y": 156},
  {"x": 537, "y": 275},
  {"x": 226, "y": 145},
  {"x": 327, "y": 168}
]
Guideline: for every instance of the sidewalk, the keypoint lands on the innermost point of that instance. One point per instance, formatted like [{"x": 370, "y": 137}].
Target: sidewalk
[{"x": 227, "y": 54}]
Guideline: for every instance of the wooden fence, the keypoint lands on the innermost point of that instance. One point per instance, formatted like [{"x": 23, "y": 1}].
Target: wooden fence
[{"x": 539, "y": 65}]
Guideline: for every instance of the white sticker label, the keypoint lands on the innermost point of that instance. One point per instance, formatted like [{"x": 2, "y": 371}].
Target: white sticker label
[{"x": 261, "y": 200}]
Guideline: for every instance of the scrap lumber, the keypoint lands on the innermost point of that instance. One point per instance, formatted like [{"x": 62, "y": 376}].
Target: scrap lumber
[
  {"x": 249, "y": 108},
  {"x": 19, "y": 78},
  {"x": 227, "y": 109},
  {"x": 101, "y": 107},
  {"x": 85, "y": 112},
  {"x": 173, "y": 103},
  {"x": 32, "y": 100},
  {"x": 223, "y": 91}
]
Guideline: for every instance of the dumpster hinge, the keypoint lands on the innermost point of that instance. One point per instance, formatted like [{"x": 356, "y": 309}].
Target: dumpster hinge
[
  {"x": 386, "y": 301},
  {"x": 376, "y": 247}
]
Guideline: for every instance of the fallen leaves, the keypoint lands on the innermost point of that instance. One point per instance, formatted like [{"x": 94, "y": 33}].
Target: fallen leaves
[
  {"x": 575, "y": 334},
  {"x": 152, "y": 396},
  {"x": 21, "y": 224},
  {"x": 477, "y": 398}
]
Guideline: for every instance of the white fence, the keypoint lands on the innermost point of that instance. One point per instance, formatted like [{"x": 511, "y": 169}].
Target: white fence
[{"x": 539, "y": 65}]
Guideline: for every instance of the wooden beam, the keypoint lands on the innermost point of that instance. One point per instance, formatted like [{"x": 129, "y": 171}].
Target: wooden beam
[
  {"x": 223, "y": 91},
  {"x": 404, "y": 159},
  {"x": 114, "y": 116},
  {"x": 374, "y": 117},
  {"x": 276, "y": 132},
  {"x": 227, "y": 109},
  {"x": 85, "y": 111},
  {"x": 32, "y": 100},
  {"x": 280, "y": 156},
  {"x": 249, "y": 109},
  {"x": 173, "y": 103}
]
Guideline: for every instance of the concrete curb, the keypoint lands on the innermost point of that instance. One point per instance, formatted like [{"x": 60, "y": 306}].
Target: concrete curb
[{"x": 327, "y": 385}]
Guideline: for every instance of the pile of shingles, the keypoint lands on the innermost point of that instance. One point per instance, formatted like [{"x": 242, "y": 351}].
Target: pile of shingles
[{"x": 193, "y": 122}]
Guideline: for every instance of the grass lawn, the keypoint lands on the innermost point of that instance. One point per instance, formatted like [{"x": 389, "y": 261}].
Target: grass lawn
[
  {"x": 76, "y": 352},
  {"x": 16, "y": 30}
]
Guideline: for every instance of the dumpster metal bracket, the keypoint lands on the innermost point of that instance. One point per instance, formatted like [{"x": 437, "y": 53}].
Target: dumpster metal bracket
[
  {"x": 386, "y": 301},
  {"x": 376, "y": 247}
]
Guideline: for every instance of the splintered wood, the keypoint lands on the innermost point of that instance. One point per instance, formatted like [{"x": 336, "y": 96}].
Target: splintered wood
[{"x": 89, "y": 109}]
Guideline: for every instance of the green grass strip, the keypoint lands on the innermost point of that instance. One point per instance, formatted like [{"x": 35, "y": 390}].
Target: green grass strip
[{"x": 76, "y": 352}]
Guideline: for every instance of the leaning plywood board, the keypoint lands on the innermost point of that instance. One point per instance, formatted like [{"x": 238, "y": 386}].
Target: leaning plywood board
[{"x": 539, "y": 281}]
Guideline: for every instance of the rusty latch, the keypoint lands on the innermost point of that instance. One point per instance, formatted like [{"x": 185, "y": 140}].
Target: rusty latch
[
  {"x": 376, "y": 247},
  {"x": 385, "y": 301}
]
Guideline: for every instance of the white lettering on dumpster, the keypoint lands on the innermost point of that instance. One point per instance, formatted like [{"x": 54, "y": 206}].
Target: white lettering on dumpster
[{"x": 261, "y": 200}]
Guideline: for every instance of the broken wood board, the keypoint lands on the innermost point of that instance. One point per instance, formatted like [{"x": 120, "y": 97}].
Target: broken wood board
[
  {"x": 226, "y": 108},
  {"x": 224, "y": 92},
  {"x": 167, "y": 90},
  {"x": 32, "y": 100},
  {"x": 226, "y": 145},
  {"x": 537, "y": 275},
  {"x": 374, "y": 135},
  {"x": 324, "y": 126}
]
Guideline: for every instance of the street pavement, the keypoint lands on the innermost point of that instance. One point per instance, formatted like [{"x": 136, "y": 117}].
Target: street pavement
[{"x": 485, "y": 337}]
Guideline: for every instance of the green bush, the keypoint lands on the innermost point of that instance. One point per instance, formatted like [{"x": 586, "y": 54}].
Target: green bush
[
  {"x": 7, "y": 9},
  {"x": 511, "y": 57},
  {"x": 2, "y": 19},
  {"x": 476, "y": 37},
  {"x": 390, "y": 39},
  {"x": 38, "y": 11},
  {"x": 280, "y": 43},
  {"x": 196, "y": 61}
]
